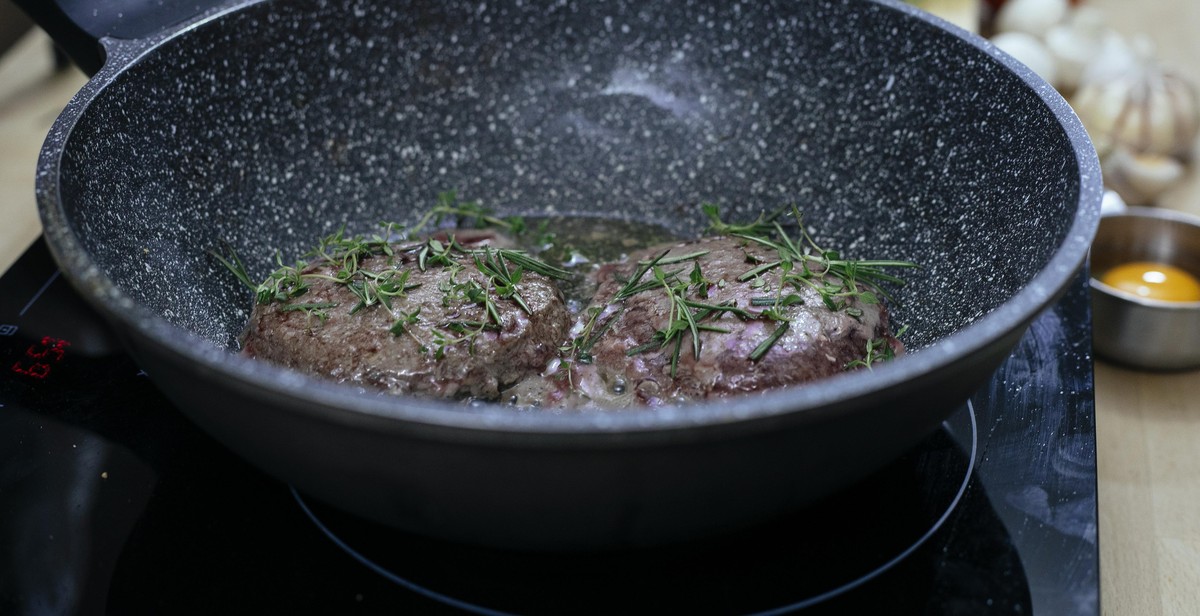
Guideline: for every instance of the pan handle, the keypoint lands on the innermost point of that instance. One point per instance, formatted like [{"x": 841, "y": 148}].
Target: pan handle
[{"x": 78, "y": 25}]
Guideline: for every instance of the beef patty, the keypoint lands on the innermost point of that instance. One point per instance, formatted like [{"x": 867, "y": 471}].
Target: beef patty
[
  {"x": 719, "y": 323},
  {"x": 425, "y": 320}
]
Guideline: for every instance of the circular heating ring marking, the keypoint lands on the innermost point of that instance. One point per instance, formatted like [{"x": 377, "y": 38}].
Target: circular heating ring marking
[{"x": 811, "y": 601}]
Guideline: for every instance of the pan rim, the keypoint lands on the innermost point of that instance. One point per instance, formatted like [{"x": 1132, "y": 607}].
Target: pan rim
[{"x": 805, "y": 403}]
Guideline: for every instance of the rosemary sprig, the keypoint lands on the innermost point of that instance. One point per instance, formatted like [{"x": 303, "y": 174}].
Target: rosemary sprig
[
  {"x": 790, "y": 299},
  {"x": 837, "y": 280},
  {"x": 761, "y": 350},
  {"x": 685, "y": 316},
  {"x": 665, "y": 260},
  {"x": 632, "y": 285},
  {"x": 503, "y": 280},
  {"x": 801, "y": 263},
  {"x": 403, "y": 324},
  {"x": 522, "y": 259},
  {"x": 346, "y": 252}
]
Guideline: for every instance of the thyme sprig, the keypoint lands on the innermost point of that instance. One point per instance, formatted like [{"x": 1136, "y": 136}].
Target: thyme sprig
[
  {"x": 466, "y": 214},
  {"x": 379, "y": 287},
  {"x": 281, "y": 285},
  {"x": 346, "y": 252},
  {"x": 878, "y": 350},
  {"x": 317, "y": 310},
  {"x": 761, "y": 226}
]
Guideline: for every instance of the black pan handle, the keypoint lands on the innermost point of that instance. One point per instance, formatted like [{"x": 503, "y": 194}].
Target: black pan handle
[{"x": 78, "y": 25}]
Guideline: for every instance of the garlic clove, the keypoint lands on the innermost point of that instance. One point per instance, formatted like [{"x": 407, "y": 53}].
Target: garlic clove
[
  {"x": 1030, "y": 51},
  {"x": 1075, "y": 42},
  {"x": 1140, "y": 178},
  {"x": 1034, "y": 17},
  {"x": 1116, "y": 56}
]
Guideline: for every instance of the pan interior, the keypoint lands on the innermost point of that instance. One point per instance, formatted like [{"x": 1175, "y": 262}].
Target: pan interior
[{"x": 278, "y": 123}]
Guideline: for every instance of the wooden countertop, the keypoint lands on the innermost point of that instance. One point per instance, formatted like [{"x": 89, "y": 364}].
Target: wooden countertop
[{"x": 1148, "y": 425}]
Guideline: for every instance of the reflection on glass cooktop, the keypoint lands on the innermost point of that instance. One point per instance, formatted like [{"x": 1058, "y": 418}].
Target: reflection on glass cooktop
[{"x": 114, "y": 502}]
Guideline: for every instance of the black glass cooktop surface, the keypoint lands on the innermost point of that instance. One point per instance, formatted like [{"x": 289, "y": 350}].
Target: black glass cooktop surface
[{"x": 112, "y": 502}]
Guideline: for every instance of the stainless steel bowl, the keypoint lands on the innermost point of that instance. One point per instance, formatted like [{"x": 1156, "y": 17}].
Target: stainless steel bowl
[{"x": 1132, "y": 330}]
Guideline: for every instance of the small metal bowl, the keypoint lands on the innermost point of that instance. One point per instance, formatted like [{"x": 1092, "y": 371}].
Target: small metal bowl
[{"x": 1136, "y": 331}]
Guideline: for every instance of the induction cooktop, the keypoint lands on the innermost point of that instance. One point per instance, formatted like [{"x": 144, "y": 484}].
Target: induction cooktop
[{"x": 112, "y": 502}]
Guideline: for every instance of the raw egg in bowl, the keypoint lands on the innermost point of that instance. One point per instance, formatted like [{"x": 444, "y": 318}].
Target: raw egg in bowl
[{"x": 1145, "y": 265}]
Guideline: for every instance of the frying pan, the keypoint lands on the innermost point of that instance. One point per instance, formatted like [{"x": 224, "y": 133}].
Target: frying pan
[{"x": 270, "y": 124}]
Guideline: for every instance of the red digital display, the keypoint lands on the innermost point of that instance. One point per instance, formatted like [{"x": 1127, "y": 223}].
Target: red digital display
[{"x": 40, "y": 356}]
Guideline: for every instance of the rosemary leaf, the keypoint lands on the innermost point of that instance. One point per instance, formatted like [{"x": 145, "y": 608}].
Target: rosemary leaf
[{"x": 761, "y": 350}]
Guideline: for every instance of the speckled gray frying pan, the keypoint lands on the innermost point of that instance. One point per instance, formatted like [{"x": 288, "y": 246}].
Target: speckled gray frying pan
[{"x": 269, "y": 124}]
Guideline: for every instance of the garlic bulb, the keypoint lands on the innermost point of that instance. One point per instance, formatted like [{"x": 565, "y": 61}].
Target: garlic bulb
[
  {"x": 1031, "y": 16},
  {"x": 1144, "y": 109},
  {"x": 1140, "y": 178}
]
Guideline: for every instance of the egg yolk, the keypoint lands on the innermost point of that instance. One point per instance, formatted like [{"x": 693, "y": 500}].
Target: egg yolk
[{"x": 1154, "y": 281}]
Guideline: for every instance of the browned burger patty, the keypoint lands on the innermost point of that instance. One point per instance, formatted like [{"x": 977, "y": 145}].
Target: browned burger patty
[
  {"x": 449, "y": 333},
  {"x": 626, "y": 355}
]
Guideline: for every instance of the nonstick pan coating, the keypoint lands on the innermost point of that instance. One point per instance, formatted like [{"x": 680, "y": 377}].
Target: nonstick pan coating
[{"x": 271, "y": 124}]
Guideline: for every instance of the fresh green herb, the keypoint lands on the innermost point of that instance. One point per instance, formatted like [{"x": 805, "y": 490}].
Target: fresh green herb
[
  {"x": 339, "y": 257},
  {"x": 318, "y": 310},
  {"x": 503, "y": 279},
  {"x": 522, "y": 259},
  {"x": 281, "y": 285},
  {"x": 632, "y": 285},
  {"x": 761, "y": 350},
  {"x": 789, "y": 300},
  {"x": 545, "y": 237},
  {"x": 347, "y": 252},
  {"x": 403, "y": 324},
  {"x": 466, "y": 214},
  {"x": 685, "y": 316},
  {"x": 664, "y": 260},
  {"x": 878, "y": 349},
  {"x": 580, "y": 347},
  {"x": 379, "y": 287},
  {"x": 800, "y": 263},
  {"x": 434, "y": 252},
  {"x": 837, "y": 280},
  {"x": 763, "y": 225}
]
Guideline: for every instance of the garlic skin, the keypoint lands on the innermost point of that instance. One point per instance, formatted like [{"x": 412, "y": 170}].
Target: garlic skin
[
  {"x": 1117, "y": 56},
  {"x": 1030, "y": 51},
  {"x": 1143, "y": 109},
  {"x": 1034, "y": 17},
  {"x": 1140, "y": 178},
  {"x": 1076, "y": 42}
]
